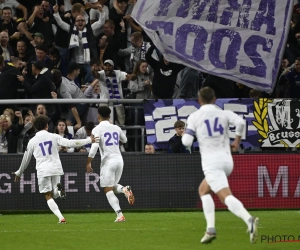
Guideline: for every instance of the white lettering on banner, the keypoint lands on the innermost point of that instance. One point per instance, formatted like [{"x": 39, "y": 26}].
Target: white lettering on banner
[
  {"x": 282, "y": 175},
  {"x": 164, "y": 128},
  {"x": 7, "y": 185},
  {"x": 70, "y": 182},
  {"x": 88, "y": 182},
  {"x": 240, "y": 41},
  {"x": 27, "y": 182}
]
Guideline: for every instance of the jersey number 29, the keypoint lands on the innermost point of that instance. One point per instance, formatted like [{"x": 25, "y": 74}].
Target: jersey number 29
[
  {"x": 218, "y": 128},
  {"x": 111, "y": 138}
]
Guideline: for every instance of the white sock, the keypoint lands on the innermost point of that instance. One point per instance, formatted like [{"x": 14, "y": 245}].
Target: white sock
[
  {"x": 237, "y": 208},
  {"x": 54, "y": 208},
  {"x": 114, "y": 202},
  {"x": 118, "y": 189},
  {"x": 55, "y": 193},
  {"x": 208, "y": 206}
]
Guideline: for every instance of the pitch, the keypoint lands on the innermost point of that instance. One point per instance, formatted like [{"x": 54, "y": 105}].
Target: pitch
[{"x": 143, "y": 231}]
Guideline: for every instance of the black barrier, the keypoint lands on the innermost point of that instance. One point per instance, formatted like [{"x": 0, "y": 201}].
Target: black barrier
[{"x": 158, "y": 181}]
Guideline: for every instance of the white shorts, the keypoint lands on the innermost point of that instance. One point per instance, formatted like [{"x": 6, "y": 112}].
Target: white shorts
[
  {"x": 110, "y": 173},
  {"x": 47, "y": 184},
  {"x": 216, "y": 177}
]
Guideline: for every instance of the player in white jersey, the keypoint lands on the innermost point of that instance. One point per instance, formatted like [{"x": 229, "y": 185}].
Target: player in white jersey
[
  {"x": 111, "y": 167},
  {"x": 211, "y": 125},
  {"x": 44, "y": 147}
]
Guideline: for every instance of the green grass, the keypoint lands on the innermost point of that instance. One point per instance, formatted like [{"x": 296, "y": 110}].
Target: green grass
[{"x": 143, "y": 231}]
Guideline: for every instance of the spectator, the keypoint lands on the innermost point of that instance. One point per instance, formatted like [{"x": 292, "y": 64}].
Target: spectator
[
  {"x": 23, "y": 29},
  {"x": 37, "y": 24},
  {"x": 149, "y": 149},
  {"x": 96, "y": 13},
  {"x": 175, "y": 143},
  {"x": 81, "y": 38},
  {"x": 115, "y": 41},
  {"x": 61, "y": 39},
  {"x": 84, "y": 133},
  {"x": 93, "y": 74},
  {"x": 41, "y": 51},
  {"x": 293, "y": 78},
  {"x": 93, "y": 91},
  {"x": 27, "y": 133},
  {"x": 7, "y": 53},
  {"x": 42, "y": 86},
  {"x": 111, "y": 87},
  {"x": 141, "y": 86},
  {"x": 67, "y": 88},
  {"x": 164, "y": 78},
  {"x": 9, "y": 133},
  {"x": 13, "y": 5},
  {"x": 62, "y": 130},
  {"x": 22, "y": 52},
  {"x": 54, "y": 116},
  {"x": 187, "y": 84},
  {"x": 135, "y": 52},
  {"x": 9, "y": 83},
  {"x": 54, "y": 55},
  {"x": 10, "y": 25},
  {"x": 118, "y": 17}
]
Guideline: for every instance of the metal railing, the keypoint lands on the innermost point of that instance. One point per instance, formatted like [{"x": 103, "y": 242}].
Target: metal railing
[{"x": 109, "y": 102}]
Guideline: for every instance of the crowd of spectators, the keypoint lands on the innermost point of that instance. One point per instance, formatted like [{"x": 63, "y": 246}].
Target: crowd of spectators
[{"x": 76, "y": 49}]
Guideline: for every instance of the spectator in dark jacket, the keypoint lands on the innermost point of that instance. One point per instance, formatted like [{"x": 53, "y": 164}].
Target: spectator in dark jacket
[
  {"x": 164, "y": 78},
  {"x": 42, "y": 86},
  {"x": 175, "y": 144},
  {"x": 9, "y": 83}
]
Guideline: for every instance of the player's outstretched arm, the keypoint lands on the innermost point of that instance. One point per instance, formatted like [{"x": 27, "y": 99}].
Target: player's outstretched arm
[
  {"x": 76, "y": 143},
  {"x": 25, "y": 161}
]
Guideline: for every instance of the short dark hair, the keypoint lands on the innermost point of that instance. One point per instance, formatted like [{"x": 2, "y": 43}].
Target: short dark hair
[
  {"x": 56, "y": 76},
  {"x": 89, "y": 126},
  {"x": 207, "y": 95},
  {"x": 179, "y": 124},
  {"x": 7, "y": 8},
  {"x": 42, "y": 47},
  {"x": 40, "y": 122},
  {"x": 38, "y": 65},
  {"x": 96, "y": 61},
  {"x": 72, "y": 66},
  {"x": 104, "y": 111},
  {"x": 54, "y": 51}
]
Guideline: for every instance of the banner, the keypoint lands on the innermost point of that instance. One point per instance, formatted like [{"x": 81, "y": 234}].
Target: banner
[
  {"x": 268, "y": 122},
  {"x": 239, "y": 40},
  {"x": 265, "y": 181},
  {"x": 159, "y": 181}
]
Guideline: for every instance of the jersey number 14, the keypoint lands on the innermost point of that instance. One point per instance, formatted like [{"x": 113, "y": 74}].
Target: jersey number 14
[{"x": 217, "y": 128}]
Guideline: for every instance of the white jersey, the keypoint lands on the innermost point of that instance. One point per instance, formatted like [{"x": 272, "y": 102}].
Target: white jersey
[
  {"x": 109, "y": 137},
  {"x": 44, "y": 147},
  {"x": 210, "y": 125}
]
